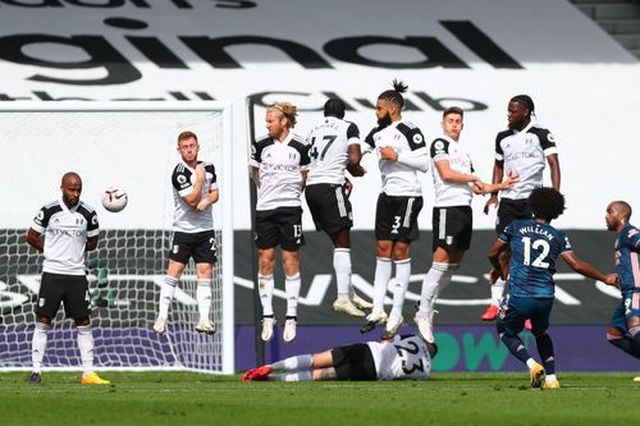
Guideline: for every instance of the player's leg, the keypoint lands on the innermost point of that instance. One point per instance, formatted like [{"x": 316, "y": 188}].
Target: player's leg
[
  {"x": 337, "y": 224},
  {"x": 204, "y": 256},
  {"x": 407, "y": 210},
  {"x": 291, "y": 239},
  {"x": 505, "y": 215},
  {"x": 509, "y": 325},
  {"x": 77, "y": 305},
  {"x": 618, "y": 333},
  {"x": 384, "y": 246},
  {"x": 452, "y": 228},
  {"x": 539, "y": 325},
  {"x": 266, "y": 241},
  {"x": 49, "y": 299},
  {"x": 179, "y": 255}
]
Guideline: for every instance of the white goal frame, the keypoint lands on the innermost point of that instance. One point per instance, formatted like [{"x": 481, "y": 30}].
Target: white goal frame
[{"x": 226, "y": 328}]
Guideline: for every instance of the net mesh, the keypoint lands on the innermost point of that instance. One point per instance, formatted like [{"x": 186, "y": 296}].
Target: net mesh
[{"x": 134, "y": 150}]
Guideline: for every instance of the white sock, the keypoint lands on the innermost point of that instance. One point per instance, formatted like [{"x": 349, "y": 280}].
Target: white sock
[
  {"x": 292, "y": 288},
  {"x": 342, "y": 267},
  {"x": 265, "y": 288},
  {"x": 298, "y": 376},
  {"x": 380, "y": 282},
  {"x": 550, "y": 378},
  {"x": 294, "y": 363},
  {"x": 436, "y": 279},
  {"x": 167, "y": 289},
  {"x": 403, "y": 273},
  {"x": 497, "y": 292},
  {"x": 203, "y": 296},
  {"x": 38, "y": 345},
  {"x": 86, "y": 345},
  {"x": 531, "y": 363}
]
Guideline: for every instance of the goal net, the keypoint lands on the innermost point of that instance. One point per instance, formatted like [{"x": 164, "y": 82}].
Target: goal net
[{"x": 132, "y": 146}]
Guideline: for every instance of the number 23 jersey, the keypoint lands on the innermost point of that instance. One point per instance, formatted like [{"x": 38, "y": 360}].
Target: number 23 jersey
[{"x": 403, "y": 358}]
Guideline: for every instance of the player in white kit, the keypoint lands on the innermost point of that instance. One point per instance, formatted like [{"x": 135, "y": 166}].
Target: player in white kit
[
  {"x": 335, "y": 148},
  {"x": 406, "y": 357}
]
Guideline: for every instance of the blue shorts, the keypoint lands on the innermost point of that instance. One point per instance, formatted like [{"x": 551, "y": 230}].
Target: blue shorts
[
  {"x": 629, "y": 306},
  {"x": 516, "y": 310}
]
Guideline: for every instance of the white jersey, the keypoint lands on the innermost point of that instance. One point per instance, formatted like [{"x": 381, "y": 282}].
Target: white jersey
[
  {"x": 400, "y": 178},
  {"x": 65, "y": 233},
  {"x": 404, "y": 358},
  {"x": 524, "y": 153},
  {"x": 280, "y": 165},
  {"x": 329, "y": 144},
  {"x": 448, "y": 194},
  {"x": 186, "y": 218}
]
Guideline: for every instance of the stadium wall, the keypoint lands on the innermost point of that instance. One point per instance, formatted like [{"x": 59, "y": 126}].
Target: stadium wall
[{"x": 475, "y": 54}]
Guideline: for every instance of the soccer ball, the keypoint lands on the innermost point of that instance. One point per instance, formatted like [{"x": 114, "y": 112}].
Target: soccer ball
[{"x": 114, "y": 199}]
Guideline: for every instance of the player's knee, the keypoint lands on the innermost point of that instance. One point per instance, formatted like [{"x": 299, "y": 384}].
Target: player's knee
[
  {"x": 614, "y": 334},
  {"x": 634, "y": 331}
]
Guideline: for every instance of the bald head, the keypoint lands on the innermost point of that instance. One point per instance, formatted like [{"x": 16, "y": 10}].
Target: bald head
[{"x": 71, "y": 187}]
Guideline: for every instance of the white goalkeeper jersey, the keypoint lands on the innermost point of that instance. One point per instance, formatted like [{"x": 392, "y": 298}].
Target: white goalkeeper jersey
[
  {"x": 524, "y": 153},
  {"x": 400, "y": 178},
  {"x": 404, "y": 358},
  {"x": 65, "y": 233},
  {"x": 186, "y": 218},
  {"x": 448, "y": 194},
  {"x": 329, "y": 144}
]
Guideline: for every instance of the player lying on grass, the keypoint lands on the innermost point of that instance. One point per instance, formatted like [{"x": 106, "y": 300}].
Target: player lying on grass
[
  {"x": 406, "y": 357},
  {"x": 535, "y": 246}
]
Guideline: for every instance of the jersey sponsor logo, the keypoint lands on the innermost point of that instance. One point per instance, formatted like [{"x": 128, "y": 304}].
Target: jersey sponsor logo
[
  {"x": 279, "y": 167},
  {"x": 521, "y": 156}
]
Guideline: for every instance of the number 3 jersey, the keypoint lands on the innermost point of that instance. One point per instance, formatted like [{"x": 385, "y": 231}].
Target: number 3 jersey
[
  {"x": 403, "y": 358},
  {"x": 535, "y": 247}
]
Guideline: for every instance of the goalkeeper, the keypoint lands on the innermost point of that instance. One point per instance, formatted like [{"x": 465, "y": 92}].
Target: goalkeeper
[{"x": 406, "y": 357}]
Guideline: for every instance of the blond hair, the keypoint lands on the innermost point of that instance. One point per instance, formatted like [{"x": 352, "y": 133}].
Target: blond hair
[{"x": 285, "y": 109}]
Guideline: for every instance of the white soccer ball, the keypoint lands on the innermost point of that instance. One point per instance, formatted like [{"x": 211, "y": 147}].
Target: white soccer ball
[{"x": 114, "y": 199}]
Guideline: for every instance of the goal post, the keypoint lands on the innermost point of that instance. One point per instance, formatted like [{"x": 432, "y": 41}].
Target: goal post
[{"x": 131, "y": 145}]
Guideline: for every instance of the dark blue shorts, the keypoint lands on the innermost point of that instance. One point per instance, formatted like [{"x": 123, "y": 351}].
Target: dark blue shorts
[{"x": 516, "y": 310}]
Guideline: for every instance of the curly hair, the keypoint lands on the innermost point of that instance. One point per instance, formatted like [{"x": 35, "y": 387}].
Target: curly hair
[{"x": 546, "y": 203}]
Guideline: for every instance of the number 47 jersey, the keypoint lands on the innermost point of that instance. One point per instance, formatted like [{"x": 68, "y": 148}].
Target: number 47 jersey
[
  {"x": 403, "y": 358},
  {"x": 329, "y": 143}
]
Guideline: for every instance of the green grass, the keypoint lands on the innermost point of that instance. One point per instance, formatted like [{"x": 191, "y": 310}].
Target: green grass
[{"x": 161, "y": 398}]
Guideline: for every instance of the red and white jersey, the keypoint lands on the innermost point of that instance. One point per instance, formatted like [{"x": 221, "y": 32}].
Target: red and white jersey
[
  {"x": 404, "y": 358},
  {"x": 448, "y": 194},
  {"x": 329, "y": 143},
  {"x": 65, "y": 233},
  {"x": 524, "y": 154},
  {"x": 280, "y": 165},
  {"x": 186, "y": 218},
  {"x": 400, "y": 178}
]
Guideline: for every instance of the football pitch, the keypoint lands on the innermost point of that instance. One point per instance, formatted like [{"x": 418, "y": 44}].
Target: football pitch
[{"x": 177, "y": 398}]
